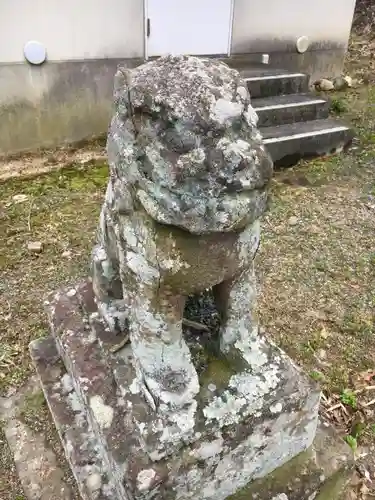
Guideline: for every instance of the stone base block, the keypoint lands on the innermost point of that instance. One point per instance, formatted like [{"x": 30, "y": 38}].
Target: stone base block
[
  {"x": 322, "y": 472},
  {"x": 248, "y": 423}
]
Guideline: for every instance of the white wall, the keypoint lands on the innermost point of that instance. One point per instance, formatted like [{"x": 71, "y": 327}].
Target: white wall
[
  {"x": 274, "y": 25},
  {"x": 95, "y": 29},
  {"x": 72, "y": 29}
]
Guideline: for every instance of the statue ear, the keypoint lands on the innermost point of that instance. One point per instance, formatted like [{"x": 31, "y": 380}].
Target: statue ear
[
  {"x": 121, "y": 88},
  {"x": 122, "y": 80}
]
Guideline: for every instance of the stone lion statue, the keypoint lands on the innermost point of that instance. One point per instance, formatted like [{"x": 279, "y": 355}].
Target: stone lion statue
[{"x": 188, "y": 179}]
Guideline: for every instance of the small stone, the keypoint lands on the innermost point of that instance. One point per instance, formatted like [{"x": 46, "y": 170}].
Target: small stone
[
  {"x": 66, "y": 254},
  {"x": 211, "y": 387},
  {"x": 324, "y": 85},
  {"x": 35, "y": 246},
  {"x": 324, "y": 334},
  {"x": 293, "y": 221},
  {"x": 340, "y": 83},
  {"x": 349, "y": 80},
  {"x": 322, "y": 354},
  {"x": 20, "y": 198}
]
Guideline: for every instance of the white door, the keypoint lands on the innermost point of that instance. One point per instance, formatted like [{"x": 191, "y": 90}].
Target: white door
[{"x": 188, "y": 27}]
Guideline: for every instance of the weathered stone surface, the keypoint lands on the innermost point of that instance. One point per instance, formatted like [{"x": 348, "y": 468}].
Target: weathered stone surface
[
  {"x": 188, "y": 183},
  {"x": 322, "y": 472},
  {"x": 41, "y": 475},
  {"x": 248, "y": 423},
  {"x": 80, "y": 442},
  {"x": 204, "y": 167},
  {"x": 91, "y": 377}
]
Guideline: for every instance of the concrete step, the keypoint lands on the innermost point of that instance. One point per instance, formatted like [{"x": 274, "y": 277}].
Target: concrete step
[
  {"x": 272, "y": 82},
  {"x": 292, "y": 108},
  {"x": 289, "y": 143}
]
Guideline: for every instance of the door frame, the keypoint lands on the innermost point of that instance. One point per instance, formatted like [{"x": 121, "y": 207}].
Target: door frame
[{"x": 145, "y": 28}]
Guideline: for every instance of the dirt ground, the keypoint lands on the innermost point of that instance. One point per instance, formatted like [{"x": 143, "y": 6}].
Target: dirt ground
[{"x": 316, "y": 267}]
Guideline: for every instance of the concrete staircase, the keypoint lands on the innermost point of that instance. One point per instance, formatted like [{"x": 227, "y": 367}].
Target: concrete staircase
[{"x": 295, "y": 124}]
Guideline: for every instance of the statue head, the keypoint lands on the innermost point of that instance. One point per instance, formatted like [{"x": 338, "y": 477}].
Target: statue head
[{"x": 187, "y": 146}]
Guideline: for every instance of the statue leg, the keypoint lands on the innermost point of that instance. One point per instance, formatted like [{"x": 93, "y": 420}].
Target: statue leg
[
  {"x": 162, "y": 357},
  {"x": 106, "y": 276},
  {"x": 236, "y": 300}
]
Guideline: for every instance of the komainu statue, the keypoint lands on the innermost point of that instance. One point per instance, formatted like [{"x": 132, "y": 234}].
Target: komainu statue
[{"x": 188, "y": 179}]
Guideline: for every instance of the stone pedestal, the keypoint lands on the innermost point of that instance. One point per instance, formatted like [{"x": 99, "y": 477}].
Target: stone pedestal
[{"x": 254, "y": 433}]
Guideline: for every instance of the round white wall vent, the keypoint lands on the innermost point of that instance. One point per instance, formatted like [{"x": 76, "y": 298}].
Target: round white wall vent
[
  {"x": 35, "y": 52},
  {"x": 302, "y": 44}
]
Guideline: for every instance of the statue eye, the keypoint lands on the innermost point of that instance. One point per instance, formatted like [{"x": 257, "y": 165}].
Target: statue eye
[
  {"x": 237, "y": 124},
  {"x": 180, "y": 141}
]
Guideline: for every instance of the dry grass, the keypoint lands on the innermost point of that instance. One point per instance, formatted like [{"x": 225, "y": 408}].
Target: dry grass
[
  {"x": 317, "y": 266},
  {"x": 318, "y": 256},
  {"x": 60, "y": 210}
]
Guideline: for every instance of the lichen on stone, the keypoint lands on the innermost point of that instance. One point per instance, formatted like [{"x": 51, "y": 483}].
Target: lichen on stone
[
  {"x": 103, "y": 413},
  {"x": 188, "y": 184}
]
